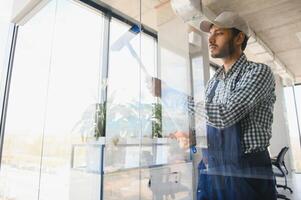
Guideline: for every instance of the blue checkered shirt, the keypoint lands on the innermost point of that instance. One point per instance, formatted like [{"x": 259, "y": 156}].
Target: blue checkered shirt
[{"x": 245, "y": 94}]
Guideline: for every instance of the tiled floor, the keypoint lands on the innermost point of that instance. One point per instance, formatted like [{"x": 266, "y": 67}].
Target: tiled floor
[{"x": 294, "y": 182}]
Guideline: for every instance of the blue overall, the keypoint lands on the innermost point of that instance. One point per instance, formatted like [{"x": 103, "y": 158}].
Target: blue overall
[{"x": 231, "y": 174}]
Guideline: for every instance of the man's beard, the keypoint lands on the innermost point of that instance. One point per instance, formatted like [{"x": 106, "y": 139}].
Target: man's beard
[{"x": 226, "y": 51}]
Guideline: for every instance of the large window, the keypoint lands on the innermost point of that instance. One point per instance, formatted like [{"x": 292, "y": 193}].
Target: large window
[
  {"x": 22, "y": 146},
  {"x": 55, "y": 88},
  {"x": 98, "y": 103}
]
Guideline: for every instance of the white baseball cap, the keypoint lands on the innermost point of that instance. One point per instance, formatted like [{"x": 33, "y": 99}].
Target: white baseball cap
[{"x": 227, "y": 19}]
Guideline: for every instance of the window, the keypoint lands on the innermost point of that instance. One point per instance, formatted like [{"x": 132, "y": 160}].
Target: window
[
  {"x": 22, "y": 147},
  {"x": 83, "y": 108},
  {"x": 6, "y": 31},
  {"x": 54, "y": 93},
  {"x": 292, "y": 97}
]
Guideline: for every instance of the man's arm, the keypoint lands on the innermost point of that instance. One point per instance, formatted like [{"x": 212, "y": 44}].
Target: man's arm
[{"x": 254, "y": 86}]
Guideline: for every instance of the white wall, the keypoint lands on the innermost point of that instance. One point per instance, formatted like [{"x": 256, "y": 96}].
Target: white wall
[
  {"x": 5, "y": 10},
  {"x": 19, "y": 5},
  {"x": 280, "y": 137}
]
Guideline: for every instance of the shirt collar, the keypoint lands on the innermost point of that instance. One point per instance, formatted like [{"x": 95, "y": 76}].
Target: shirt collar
[{"x": 220, "y": 74}]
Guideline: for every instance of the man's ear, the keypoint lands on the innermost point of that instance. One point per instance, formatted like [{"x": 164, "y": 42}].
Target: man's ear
[{"x": 240, "y": 38}]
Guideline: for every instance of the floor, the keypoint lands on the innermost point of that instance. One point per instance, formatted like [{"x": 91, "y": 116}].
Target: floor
[{"x": 294, "y": 182}]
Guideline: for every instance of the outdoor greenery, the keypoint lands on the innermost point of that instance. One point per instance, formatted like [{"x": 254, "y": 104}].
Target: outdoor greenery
[
  {"x": 124, "y": 119},
  {"x": 100, "y": 120},
  {"x": 157, "y": 120}
]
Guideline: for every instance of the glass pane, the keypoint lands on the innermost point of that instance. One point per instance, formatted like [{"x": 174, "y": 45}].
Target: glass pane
[
  {"x": 5, "y": 13},
  {"x": 122, "y": 185},
  {"x": 198, "y": 91},
  {"x": 124, "y": 109},
  {"x": 144, "y": 115},
  {"x": 169, "y": 181},
  {"x": 298, "y": 149},
  {"x": 21, "y": 156},
  {"x": 123, "y": 97},
  {"x": 292, "y": 111},
  {"x": 150, "y": 124},
  {"x": 73, "y": 99},
  {"x": 153, "y": 183},
  {"x": 123, "y": 82},
  {"x": 5, "y": 31},
  {"x": 174, "y": 80}
]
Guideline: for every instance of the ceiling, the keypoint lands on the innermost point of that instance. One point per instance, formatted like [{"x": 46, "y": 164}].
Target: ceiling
[{"x": 276, "y": 22}]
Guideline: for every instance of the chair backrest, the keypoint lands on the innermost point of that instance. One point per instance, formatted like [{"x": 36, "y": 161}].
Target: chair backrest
[{"x": 280, "y": 157}]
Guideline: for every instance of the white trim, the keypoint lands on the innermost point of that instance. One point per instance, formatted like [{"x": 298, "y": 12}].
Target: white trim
[{"x": 28, "y": 11}]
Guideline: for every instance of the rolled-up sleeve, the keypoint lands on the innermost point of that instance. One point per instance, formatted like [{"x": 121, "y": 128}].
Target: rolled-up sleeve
[{"x": 253, "y": 87}]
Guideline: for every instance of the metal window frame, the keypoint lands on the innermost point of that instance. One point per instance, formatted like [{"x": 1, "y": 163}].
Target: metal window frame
[
  {"x": 297, "y": 112},
  {"x": 13, "y": 35},
  {"x": 109, "y": 14},
  {"x": 108, "y": 10}
]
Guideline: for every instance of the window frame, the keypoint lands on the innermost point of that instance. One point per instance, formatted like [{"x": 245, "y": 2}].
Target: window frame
[{"x": 8, "y": 67}]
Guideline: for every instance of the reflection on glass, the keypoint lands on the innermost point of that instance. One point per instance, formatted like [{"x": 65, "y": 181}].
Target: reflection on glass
[
  {"x": 133, "y": 106},
  {"x": 22, "y": 148},
  {"x": 174, "y": 179},
  {"x": 146, "y": 148},
  {"x": 165, "y": 182},
  {"x": 72, "y": 101},
  {"x": 198, "y": 91},
  {"x": 123, "y": 82},
  {"x": 55, "y": 93}
]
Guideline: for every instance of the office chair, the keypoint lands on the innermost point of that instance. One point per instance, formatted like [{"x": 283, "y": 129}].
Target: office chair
[{"x": 280, "y": 164}]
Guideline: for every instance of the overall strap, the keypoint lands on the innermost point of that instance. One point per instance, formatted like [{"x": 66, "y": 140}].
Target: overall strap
[{"x": 212, "y": 92}]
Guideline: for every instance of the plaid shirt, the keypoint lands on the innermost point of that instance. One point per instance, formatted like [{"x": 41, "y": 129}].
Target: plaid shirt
[{"x": 245, "y": 94}]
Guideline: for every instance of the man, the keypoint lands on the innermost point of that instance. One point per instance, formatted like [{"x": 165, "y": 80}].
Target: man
[{"x": 239, "y": 108}]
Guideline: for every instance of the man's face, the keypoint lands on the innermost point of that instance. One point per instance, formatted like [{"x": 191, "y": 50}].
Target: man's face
[{"x": 221, "y": 43}]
